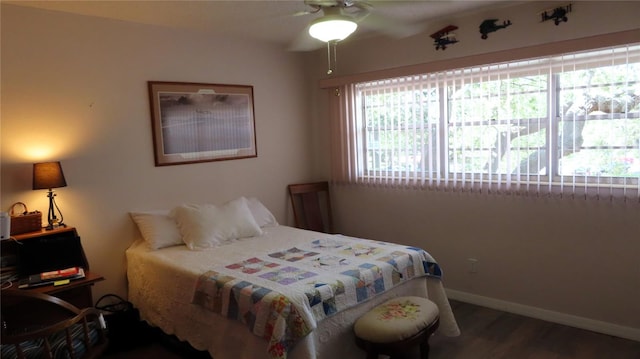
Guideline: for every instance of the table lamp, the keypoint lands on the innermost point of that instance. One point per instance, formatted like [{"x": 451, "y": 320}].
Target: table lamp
[{"x": 49, "y": 175}]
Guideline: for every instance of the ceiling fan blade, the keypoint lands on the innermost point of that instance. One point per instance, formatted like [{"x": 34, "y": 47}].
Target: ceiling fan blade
[
  {"x": 302, "y": 13},
  {"x": 311, "y": 9}
]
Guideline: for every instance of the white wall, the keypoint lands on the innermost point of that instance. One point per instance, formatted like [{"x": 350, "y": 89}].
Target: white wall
[
  {"x": 579, "y": 260},
  {"x": 74, "y": 89}
]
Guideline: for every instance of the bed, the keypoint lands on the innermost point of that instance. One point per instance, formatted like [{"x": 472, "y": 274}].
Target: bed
[{"x": 280, "y": 293}]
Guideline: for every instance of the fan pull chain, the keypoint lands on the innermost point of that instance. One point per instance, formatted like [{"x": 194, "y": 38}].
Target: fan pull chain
[{"x": 331, "y": 45}]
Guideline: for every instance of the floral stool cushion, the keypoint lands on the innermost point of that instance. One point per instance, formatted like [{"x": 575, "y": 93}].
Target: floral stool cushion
[{"x": 396, "y": 320}]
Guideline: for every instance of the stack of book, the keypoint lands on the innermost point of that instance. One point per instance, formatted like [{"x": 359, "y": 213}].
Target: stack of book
[{"x": 45, "y": 278}]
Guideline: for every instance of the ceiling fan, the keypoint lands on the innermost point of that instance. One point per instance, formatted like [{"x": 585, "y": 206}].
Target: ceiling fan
[{"x": 340, "y": 18}]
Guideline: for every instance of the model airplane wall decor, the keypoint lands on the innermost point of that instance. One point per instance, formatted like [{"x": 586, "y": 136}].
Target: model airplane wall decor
[
  {"x": 491, "y": 25},
  {"x": 558, "y": 14},
  {"x": 444, "y": 37}
]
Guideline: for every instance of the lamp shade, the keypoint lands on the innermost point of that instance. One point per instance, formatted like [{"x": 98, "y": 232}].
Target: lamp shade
[
  {"x": 48, "y": 175},
  {"x": 333, "y": 27}
]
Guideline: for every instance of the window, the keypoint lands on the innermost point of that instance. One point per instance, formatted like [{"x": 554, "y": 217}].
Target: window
[{"x": 562, "y": 124}]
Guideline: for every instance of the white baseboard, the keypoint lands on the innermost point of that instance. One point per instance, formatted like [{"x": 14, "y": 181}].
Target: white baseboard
[{"x": 547, "y": 315}]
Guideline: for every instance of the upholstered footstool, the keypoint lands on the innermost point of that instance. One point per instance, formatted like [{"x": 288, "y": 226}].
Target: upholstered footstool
[{"x": 396, "y": 326}]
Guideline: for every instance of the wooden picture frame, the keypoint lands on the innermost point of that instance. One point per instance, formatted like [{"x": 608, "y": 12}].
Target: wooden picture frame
[{"x": 197, "y": 122}]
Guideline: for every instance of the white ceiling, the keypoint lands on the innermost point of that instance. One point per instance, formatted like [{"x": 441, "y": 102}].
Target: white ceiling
[{"x": 265, "y": 20}]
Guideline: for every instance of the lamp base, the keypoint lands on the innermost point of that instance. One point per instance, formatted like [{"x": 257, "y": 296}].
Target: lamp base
[
  {"x": 52, "y": 219},
  {"x": 52, "y": 227}
]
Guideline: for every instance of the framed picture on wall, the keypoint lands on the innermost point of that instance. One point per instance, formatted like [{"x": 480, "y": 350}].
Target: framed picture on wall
[{"x": 196, "y": 122}]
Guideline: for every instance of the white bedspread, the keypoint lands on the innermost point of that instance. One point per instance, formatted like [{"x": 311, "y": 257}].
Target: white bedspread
[{"x": 162, "y": 283}]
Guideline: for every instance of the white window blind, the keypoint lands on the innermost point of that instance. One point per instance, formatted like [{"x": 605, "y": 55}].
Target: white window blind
[{"x": 566, "y": 125}]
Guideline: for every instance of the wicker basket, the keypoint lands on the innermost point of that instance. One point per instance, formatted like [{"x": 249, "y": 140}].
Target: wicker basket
[{"x": 25, "y": 221}]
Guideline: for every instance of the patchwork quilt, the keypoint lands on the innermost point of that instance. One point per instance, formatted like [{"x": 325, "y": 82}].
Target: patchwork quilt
[{"x": 282, "y": 294}]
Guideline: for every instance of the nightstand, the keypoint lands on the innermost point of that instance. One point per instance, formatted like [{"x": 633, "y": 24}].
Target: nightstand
[{"x": 43, "y": 251}]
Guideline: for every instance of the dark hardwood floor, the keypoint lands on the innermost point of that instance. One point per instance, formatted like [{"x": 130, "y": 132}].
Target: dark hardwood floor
[
  {"x": 492, "y": 334},
  {"x": 486, "y": 334}
]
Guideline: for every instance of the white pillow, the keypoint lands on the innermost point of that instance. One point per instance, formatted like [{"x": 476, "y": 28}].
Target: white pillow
[
  {"x": 260, "y": 213},
  {"x": 206, "y": 226},
  {"x": 157, "y": 228}
]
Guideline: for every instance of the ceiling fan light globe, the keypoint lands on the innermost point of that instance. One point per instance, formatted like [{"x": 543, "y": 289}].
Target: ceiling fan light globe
[{"x": 332, "y": 29}]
